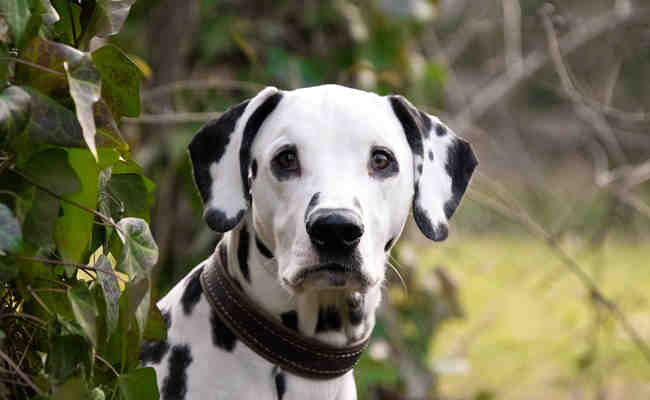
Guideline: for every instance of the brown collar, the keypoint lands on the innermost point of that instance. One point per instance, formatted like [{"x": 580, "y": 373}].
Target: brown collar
[{"x": 265, "y": 335}]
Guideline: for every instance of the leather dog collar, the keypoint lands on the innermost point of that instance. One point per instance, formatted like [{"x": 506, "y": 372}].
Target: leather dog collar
[{"x": 270, "y": 339}]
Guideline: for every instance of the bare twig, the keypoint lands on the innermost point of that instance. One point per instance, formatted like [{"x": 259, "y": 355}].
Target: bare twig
[
  {"x": 597, "y": 121},
  {"x": 512, "y": 33},
  {"x": 20, "y": 373},
  {"x": 502, "y": 85},
  {"x": 33, "y": 65},
  {"x": 512, "y": 209},
  {"x": 173, "y": 118},
  {"x": 100, "y": 358},
  {"x": 31, "y": 181},
  {"x": 202, "y": 84}
]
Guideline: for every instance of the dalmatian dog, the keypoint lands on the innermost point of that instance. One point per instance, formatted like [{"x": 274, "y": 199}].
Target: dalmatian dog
[{"x": 311, "y": 188}]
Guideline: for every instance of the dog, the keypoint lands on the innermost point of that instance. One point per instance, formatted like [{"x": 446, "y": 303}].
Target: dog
[{"x": 311, "y": 188}]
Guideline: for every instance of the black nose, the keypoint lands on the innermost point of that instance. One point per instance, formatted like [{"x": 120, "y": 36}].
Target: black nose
[{"x": 334, "y": 229}]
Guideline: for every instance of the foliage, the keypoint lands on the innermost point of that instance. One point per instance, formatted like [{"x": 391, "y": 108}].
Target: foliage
[{"x": 72, "y": 201}]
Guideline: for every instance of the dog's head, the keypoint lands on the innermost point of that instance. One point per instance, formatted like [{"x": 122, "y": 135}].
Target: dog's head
[{"x": 328, "y": 175}]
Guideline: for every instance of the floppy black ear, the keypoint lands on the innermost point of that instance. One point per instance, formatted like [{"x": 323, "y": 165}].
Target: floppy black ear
[
  {"x": 220, "y": 155},
  {"x": 443, "y": 165}
]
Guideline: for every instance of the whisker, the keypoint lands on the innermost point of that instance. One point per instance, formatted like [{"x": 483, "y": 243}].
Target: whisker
[{"x": 399, "y": 276}]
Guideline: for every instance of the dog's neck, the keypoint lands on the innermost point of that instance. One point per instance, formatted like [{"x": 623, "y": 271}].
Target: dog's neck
[{"x": 329, "y": 316}]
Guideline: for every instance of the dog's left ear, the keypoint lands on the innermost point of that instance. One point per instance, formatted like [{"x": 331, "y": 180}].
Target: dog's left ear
[
  {"x": 442, "y": 167},
  {"x": 220, "y": 155}
]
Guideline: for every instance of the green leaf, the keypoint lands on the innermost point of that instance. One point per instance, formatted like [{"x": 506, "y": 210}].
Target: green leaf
[
  {"x": 50, "y": 55},
  {"x": 73, "y": 389},
  {"x": 132, "y": 194},
  {"x": 49, "y": 168},
  {"x": 97, "y": 394},
  {"x": 155, "y": 329},
  {"x": 67, "y": 355},
  {"x": 120, "y": 80},
  {"x": 10, "y": 233},
  {"x": 50, "y": 15},
  {"x": 17, "y": 15},
  {"x": 74, "y": 228},
  {"x": 85, "y": 310},
  {"x": 68, "y": 25},
  {"x": 140, "y": 251},
  {"x": 139, "y": 384},
  {"x": 85, "y": 89},
  {"x": 108, "y": 281},
  {"x": 8, "y": 269},
  {"x": 107, "y": 18},
  {"x": 14, "y": 111}
]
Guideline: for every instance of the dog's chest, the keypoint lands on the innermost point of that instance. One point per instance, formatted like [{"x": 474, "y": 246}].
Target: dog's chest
[{"x": 202, "y": 359}]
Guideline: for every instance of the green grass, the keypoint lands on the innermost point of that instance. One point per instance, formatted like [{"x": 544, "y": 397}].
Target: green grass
[{"x": 531, "y": 330}]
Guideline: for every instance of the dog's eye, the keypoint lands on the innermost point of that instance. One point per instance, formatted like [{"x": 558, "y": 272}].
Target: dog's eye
[
  {"x": 285, "y": 164},
  {"x": 381, "y": 159},
  {"x": 382, "y": 163},
  {"x": 287, "y": 160}
]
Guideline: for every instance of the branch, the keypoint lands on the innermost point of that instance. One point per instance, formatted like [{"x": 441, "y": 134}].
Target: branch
[
  {"x": 511, "y": 208},
  {"x": 501, "y": 86},
  {"x": 20, "y": 373},
  {"x": 212, "y": 83},
  {"x": 173, "y": 118}
]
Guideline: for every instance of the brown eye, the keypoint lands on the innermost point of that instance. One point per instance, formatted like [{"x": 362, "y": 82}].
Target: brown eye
[
  {"x": 287, "y": 160},
  {"x": 380, "y": 160},
  {"x": 285, "y": 164}
]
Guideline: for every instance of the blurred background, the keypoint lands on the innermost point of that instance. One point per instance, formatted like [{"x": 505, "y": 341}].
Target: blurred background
[{"x": 543, "y": 287}]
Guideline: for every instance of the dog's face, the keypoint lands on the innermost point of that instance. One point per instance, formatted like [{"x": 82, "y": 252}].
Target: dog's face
[{"x": 329, "y": 175}]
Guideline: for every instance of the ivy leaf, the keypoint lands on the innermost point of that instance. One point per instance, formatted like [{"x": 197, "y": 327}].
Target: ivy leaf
[
  {"x": 107, "y": 18},
  {"x": 14, "y": 111},
  {"x": 17, "y": 15},
  {"x": 120, "y": 80},
  {"x": 49, "y": 168},
  {"x": 74, "y": 228},
  {"x": 140, "y": 251},
  {"x": 85, "y": 89},
  {"x": 73, "y": 389},
  {"x": 50, "y": 15},
  {"x": 108, "y": 281},
  {"x": 85, "y": 310},
  {"x": 8, "y": 269},
  {"x": 130, "y": 190},
  {"x": 139, "y": 384},
  {"x": 139, "y": 254},
  {"x": 67, "y": 353},
  {"x": 51, "y": 55},
  {"x": 10, "y": 233}
]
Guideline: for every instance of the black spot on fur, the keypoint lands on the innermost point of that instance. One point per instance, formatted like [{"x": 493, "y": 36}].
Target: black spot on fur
[
  {"x": 280, "y": 384},
  {"x": 222, "y": 336},
  {"x": 192, "y": 293},
  {"x": 174, "y": 385},
  {"x": 312, "y": 203},
  {"x": 290, "y": 320},
  {"x": 422, "y": 219},
  {"x": 460, "y": 165},
  {"x": 441, "y": 130},
  {"x": 329, "y": 319},
  {"x": 209, "y": 145},
  {"x": 413, "y": 124},
  {"x": 262, "y": 248},
  {"x": 153, "y": 351},
  {"x": 250, "y": 131},
  {"x": 426, "y": 122},
  {"x": 254, "y": 169},
  {"x": 217, "y": 220},
  {"x": 242, "y": 253},
  {"x": 356, "y": 316},
  {"x": 389, "y": 244},
  {"x": 420, "y": 169},
  {"x": 223, "y": 255},
  {"x": 430, "y": 155}
]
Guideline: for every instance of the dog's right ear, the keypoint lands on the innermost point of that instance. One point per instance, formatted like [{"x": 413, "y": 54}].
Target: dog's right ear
[{"x": 220, "y": 155}]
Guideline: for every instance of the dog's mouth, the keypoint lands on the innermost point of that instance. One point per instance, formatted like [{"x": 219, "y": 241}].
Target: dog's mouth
[{"x": 329, "y": 276}]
